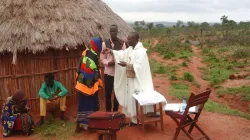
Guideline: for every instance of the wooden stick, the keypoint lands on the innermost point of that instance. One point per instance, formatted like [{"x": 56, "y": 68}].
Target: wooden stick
[
  {"x": 58, "y": 57},
  {"x": 35, "y": 74}
]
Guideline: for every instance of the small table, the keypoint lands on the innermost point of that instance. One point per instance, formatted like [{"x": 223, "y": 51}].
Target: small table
[{"x": 143, "y": 118}]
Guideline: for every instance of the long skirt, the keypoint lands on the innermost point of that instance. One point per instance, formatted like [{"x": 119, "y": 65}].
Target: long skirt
[
  {"x": 86, "y": 106},
  {"x": 23, "y": 123}
]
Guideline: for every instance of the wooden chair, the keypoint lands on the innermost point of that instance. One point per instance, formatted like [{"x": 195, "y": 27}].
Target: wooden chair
[{"x": 185, "y": 119}]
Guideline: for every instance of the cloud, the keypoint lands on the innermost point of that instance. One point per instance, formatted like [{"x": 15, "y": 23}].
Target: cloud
[{"x": 197, "y": 10}]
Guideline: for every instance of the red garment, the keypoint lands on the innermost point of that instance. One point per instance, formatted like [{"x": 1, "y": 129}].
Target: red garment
[{"x": 18, "y": 124}]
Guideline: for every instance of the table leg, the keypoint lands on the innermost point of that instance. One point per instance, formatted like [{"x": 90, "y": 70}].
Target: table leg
[
  {"x": 155, "y": 111},
  {"x": 137, "y": 113},
  {"x": 142, "y": 117},
  {"x": 114, "y": 136},
  {"x": 161, "y": 115},
  {"x": 100, "y": 137}
]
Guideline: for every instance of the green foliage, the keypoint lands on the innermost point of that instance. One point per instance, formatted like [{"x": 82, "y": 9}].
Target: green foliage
[
  {"x": 56, "y": 130},
  {"x": 204, "y": 25},
  {"x": 157, "y": 68},
  {"x": 243, "y": 91},
  {"x": 174, "y": 49},
  {"x": 220, "y": 108},
  {"x": 242, "y": 53},
  {"x": 221, "y": 50},
  {"x": 184, "y": 64},
  {"x": 219, "y": 67},
  {"x": 217, "y": 75},
  {"x": 169, "y": 55},
  {"x": 180, "y": 86},
  {"x": 192, "y": 24},
  {"x": 179, "y": 23},
  {"x": 179, "y": 90},
  {"x": 205, "y": 51},
  {"x": 173, "y": 77},
  {"x": 150, "y": 26},
  {"x": 188, "y": 77}
]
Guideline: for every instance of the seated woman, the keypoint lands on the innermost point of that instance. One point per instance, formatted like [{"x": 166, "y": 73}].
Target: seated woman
[{"x": 15, "y": 116}]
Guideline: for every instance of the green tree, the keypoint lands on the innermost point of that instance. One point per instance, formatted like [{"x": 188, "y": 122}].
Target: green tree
[
  {"x": 179, "y": 23},
  {"x": 232, "y": 22},
  {"x": 224, "y": 19},
  {"x": 216, "y": 25},
  {"x": 150, "y": 26},
  {"x": 204, "y": 25},
  {"x": 142, "y": 23},
  {"x": 159, "y": 25},
  {"x": 136, "y": 23},
  {"x": 192, "y": 24},
  {"x": 242, "y": 23}
]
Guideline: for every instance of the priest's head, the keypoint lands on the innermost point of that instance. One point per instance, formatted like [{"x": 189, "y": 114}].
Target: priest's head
[{"x": 133, "y": 39}]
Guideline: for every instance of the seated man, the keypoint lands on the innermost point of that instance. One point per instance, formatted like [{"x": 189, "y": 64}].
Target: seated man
[
  {"x": 48, "y": 94},
  {"x": 15, "y": 115}
]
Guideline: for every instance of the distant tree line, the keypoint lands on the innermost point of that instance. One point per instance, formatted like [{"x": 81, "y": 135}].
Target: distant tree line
[{"x": 225, "y": 23}]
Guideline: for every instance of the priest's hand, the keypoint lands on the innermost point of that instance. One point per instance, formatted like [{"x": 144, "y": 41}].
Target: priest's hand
[
  {"x": 122, "y": 63},
  {"x": 106, "y": 50},
  {"x": 111, "y": 52}
]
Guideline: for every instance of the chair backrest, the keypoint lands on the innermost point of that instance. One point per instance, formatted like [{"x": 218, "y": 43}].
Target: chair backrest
[{"x": 198, "y": 99}]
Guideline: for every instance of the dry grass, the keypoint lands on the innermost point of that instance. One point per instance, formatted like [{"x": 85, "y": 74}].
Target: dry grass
[{"x": 37, "y": 25}]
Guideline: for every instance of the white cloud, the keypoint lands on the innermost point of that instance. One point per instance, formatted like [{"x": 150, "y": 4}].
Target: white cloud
[{"x": 186, "y": 10}]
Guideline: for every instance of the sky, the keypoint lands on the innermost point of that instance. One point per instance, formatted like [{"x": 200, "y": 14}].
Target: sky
[{"x": 185, "y": 10}]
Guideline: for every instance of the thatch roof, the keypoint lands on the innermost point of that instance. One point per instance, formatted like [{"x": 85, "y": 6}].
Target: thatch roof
[{"x": 36, "y": 25}]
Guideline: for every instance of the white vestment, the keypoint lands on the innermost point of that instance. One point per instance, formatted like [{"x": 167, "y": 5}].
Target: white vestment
[{"x": 124, "y": 87}]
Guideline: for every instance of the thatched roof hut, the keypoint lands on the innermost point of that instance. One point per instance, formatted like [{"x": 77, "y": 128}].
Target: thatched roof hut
[{"x": 45, "y": 35}]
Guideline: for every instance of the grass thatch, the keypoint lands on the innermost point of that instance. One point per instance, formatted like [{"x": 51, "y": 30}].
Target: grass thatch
[{"x": 36, "y": 25}]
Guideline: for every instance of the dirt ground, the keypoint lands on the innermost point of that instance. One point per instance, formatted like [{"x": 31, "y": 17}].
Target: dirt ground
[{"x": 217, "y": 126}]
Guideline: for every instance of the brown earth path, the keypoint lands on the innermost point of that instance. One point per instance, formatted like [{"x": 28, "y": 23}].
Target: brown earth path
[{"x": 234, "y": 102}]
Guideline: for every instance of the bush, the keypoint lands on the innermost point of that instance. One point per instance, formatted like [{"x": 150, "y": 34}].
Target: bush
[
  {"x": 188, "y": 77},
  {"x": 169, "y": 55},
  {"x": 173, "y": 77},
  {"x": 184, "y": 64},
  {"x": 179, "y": 90},
  {"x": 242, "y": 53},
  {"x": 157, "y": 68}
]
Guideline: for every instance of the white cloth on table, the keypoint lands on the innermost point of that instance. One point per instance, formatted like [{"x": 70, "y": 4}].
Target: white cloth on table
[{"x": 149, "y": 98}]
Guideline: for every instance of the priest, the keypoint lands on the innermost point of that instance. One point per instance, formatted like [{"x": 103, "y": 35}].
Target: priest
[{"x": 132, "y": 74}]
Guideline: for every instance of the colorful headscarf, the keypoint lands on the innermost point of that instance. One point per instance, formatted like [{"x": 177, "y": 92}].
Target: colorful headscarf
[{"x": 96, "y": 44}]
